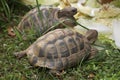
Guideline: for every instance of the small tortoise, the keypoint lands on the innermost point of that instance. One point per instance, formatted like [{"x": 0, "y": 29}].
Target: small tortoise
[
  {"x": 60, "y": 49},
  {"x": 40, "y": 21}
]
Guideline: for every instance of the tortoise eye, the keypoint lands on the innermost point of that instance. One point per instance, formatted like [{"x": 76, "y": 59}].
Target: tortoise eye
[{"x": 74, "y": 10}]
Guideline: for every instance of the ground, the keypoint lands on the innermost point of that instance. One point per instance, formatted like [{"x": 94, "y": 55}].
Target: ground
[{"x": 106, "y": 65}]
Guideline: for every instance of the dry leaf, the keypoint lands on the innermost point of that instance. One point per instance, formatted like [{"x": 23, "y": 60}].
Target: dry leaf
[
  {"x": 64, "y": 3},
  {"x": 104, "y": 1},
  {"x": 91, "y": 76},
  {"x": 11, "y": 32}
]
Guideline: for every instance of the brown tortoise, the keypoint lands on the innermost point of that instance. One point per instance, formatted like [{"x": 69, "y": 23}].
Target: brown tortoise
[
  {"x": 40, "y": 21},
  {"x": 60, "y": 49}
]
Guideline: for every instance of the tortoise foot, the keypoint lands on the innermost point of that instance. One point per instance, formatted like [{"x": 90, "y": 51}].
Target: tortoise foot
[
  {"x": 57, "y": 73},
  {"x": 19, "y": 55}
]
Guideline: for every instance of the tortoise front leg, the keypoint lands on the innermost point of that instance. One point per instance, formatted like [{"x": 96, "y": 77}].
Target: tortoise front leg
[
  {"x": 93, "y": 53},
  {"x": 20, "y": 54}
]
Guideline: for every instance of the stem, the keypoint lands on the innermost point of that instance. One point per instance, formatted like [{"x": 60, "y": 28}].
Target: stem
[{"x": 82, "y": 26}]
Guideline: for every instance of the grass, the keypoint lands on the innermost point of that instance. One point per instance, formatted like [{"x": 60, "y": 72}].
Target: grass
[
  {"x": 9, "y": 14},
  {"x": 106, "y": 65}
]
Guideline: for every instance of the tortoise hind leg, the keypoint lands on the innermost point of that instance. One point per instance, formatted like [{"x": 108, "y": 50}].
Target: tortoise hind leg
[{"x": 20, "y": 54}]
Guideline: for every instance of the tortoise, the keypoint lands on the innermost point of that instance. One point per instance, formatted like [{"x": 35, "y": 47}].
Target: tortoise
[
  {"x": 39, "y": 20},
  {"x": 60, "y": 49}
]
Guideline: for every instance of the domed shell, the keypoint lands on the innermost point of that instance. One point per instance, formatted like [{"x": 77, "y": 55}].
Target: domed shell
[
  {"x": 59, "y": 49},
  {"x": 40, "y": 21}
]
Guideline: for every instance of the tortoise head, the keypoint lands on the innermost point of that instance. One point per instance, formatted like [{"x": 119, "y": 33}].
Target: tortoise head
[
  {"x": 91, "y": 35},
  {"x": 67, "y": 14}
]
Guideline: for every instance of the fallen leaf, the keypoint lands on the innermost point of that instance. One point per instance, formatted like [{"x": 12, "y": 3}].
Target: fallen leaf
[
  {"x": 104, "y": 1},
  {"x": 91, "y": 76},
  {"x": 11, "y": 32}
]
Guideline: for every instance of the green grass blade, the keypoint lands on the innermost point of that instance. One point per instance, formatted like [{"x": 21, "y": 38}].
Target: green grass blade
[{"x": 6, "y": 9}]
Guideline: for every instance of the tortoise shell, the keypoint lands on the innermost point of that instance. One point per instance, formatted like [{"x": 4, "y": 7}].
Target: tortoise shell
[
  {"x": 58, "y": 49},
  {"x": 46, "y": 17}
]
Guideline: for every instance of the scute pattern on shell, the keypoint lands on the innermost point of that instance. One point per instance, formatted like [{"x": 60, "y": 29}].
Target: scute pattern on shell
[
  {"x": 32, "y": 20},
  {"x": 58, "y": 49},
  {"x": 41, "y": 21}
]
